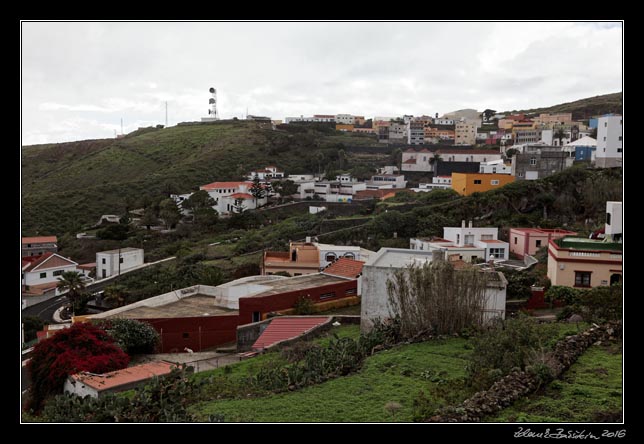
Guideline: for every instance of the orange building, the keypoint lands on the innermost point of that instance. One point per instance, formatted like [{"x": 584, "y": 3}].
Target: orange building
[
  {"x": 468, "y": 183},
  {"x": 343, "y": 127}
]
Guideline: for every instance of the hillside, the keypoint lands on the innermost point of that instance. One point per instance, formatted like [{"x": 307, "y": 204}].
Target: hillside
[
  {"x": 583, "y": 108},
  {"x": 67, "y": 186}
]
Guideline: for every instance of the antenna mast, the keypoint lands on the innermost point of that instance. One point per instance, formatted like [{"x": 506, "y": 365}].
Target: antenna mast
[{"x": 213, "y": 104}]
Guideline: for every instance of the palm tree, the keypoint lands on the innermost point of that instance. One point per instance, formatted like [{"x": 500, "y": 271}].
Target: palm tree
[
  {"x": 116, "y": 295},
  {"x": 434, "y": 159},
  {"x": 73, "y": 283}
]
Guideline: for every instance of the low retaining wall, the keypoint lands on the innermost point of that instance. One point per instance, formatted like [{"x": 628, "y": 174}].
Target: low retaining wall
[{"x": 519, "y": 383}]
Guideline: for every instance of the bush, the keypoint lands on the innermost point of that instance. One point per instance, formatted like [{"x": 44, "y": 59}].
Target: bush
[
  {"x": 82, "y": 347},
  {"x": 304, "y": 306},
  {"x": 567, "y": 295},
  {"x": 113, "y": 232},
  {"x": 504, "y": 346},
  {"x": 134, "y": 337},
  {"x": 32, "y": 325},
  {"x": 601, "y": 304}
]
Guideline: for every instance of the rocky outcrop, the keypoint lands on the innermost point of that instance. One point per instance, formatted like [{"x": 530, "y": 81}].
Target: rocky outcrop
[{"x": 521, "y": 383}]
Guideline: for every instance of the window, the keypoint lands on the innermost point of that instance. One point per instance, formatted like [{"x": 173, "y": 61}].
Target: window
[
  {"x": 330, "y": 257},
  {"x": 605, "y": 124},
  {"x": 458, "y": 238},
  {"x": 533, "y": 161},
  {"x": 103, "y": 261},
  {"x": 619, "y": 150},
  {"x": 327, "y": 295},
  {"x": 349, "y": 255},
  {"x": 607, "y": 218},
  {"x": 43, "y": 275},
  {"x": 487, "y": 237},
  {"x": 538, "y": 243},
  {"x": 516, "y": 239},
  {"x": 120, "y": 260},
  {"x": 497, "y": 252},
  {"x": 57, "y": 273},
  {"x": 604, "y": 138},
  {"x": 619, "y": 138},
  {"x": 494, "y": 182},
  {"x": 186, "y": 335},
  {"x": 493, "y": 169},
  {"x": 351, "y": 291},
  {"x": 28, "y": 245},
  {"x": 582, "y": 278},
  {"x": 477, "y": 182}
]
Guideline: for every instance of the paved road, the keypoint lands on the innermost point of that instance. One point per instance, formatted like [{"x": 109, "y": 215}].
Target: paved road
[{"x": 45, "y": 310}]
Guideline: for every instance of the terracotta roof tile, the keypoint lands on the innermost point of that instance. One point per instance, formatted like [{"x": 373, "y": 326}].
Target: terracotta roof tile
[
  {"x": 281, "y": 329},
  {"x": 345, "y": 267},
  {"x": 39, "y": 240},
  {"x": 242, "y": 196},
  {"x": 128, "y": 375},
  {"x": 216, "y": 185}
]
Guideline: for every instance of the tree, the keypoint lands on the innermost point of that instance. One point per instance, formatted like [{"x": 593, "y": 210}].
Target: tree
[
  {"x": 560, "y": 134},
  {"x": 134, "y": 337},
  {"x": 511, "y": 152},
  {"x": 198, "y": 200},
  {"x": 487, "y": 114},
  {"x": 286, "y": 188},
  {"x": 257, "y": 190},
  {"x": 149, "y": 218},
  {"x": 169, "y": 212},
  {"x": 113, "y": 232},
  {"x": 342, "y": 159},
  {"x": 115, "y": 295},
  {"x": 396, "y": 157},
  {"x": 72, "y": 282},
  {"x": 31, "y": 325},
  {"x": 81, "y": 347},
  {"x": 435, "y": 159}
]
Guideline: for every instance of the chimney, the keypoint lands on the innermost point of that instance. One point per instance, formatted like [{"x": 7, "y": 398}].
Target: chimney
[
  {"x": 463, "y": 223},
  {"x": 470, "y": 224},
  {"x": 308, "y": 239}
]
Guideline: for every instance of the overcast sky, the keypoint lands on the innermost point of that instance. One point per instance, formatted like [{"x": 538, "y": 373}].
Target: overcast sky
[{"x": 80, "y": 79}]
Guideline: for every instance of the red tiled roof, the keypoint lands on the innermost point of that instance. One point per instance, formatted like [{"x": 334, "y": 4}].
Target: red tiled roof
[
  {"x": 88, "y": 266},
  {"x": 545, "y": 231},
  {"x": 216, "y": 185},
  {"x": 410, "y": 161},
  {"x": 242, "y": 196},
  {"x": 128, "y": 375},
  {"x": 56, "y": 261},
  {"x": 39, "y": 240},
  {"x": 281, "y": 329},
  {"x": 39, "y": 260},
  {"x": 461, "y": 151},
  {"x": 345, "y": 267}
]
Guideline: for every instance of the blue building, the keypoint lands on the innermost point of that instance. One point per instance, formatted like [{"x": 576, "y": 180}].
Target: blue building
[
  {"x": 584, "y": 152},
  {"x": 592, "y": 122}
]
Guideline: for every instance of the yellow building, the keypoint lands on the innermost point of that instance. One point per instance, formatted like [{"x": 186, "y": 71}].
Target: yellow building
[
  {"x": 343, "y": 127},
  {"x": 468, "y": 183},
  {"x": 584, "y": 263}
]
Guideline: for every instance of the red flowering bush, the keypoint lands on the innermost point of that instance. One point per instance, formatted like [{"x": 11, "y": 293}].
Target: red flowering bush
[{"x": 82, "y": 347}]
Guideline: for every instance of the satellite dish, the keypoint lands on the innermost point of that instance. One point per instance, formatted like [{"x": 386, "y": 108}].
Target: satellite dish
[
  {"x": 211, "y": 101},
  {"x": 212, "y": 90}
]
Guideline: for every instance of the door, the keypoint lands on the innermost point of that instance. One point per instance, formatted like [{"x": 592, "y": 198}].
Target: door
[
  {"x": 257, "y": 316},
  {"x": 104, "y": 273}
]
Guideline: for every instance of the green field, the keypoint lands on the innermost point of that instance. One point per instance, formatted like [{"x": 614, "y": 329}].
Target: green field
[
  {"x": 395, "y": 375},
  {"x": 590, "y": 391}
]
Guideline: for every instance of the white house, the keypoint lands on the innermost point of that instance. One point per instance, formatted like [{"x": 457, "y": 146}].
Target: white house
[
  {"x": 345, "y": 119},
  {"x": 613, "y": 227},
  {"x": 337, "y": 191},
  {"x": 114, "y": 262},
  {"x": 468, "y": 243},
  {"x": 438, "y": 183},
  {"x": 495, "y": 167},
  {"x": 45, "y": 270},
  {"x": 94, "y": 385},
  {"x": 232, "y": 197},
  {"x": 269, "y": 172},
  {"x": 424, "y": 159},
  {"x": 330, "y": 253},
  {"x": 386, "y": 181},
  {"x": 609, "y": 142},
  {"x": 380, "y": 267}
]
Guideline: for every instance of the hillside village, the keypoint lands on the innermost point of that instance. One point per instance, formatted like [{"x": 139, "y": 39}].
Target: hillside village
[{"x": 388, "y": 234}]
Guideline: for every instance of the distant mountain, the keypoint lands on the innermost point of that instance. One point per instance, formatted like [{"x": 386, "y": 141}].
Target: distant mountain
[{"x": 582, "y": 109}]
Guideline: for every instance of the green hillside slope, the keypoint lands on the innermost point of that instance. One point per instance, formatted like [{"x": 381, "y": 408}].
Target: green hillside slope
[
  {"x": 584, "y": 108},
  {"x": 66, "y": 186}
]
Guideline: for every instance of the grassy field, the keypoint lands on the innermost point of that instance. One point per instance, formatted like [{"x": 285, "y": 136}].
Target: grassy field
[
  {"x": 395, "y": 375},
  {"x": 591, "y": 391}
]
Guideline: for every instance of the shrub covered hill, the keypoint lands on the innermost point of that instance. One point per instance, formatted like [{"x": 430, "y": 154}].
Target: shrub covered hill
[
  {"x": 67, "y": 186},
  {"x": 585, "y": 108}
]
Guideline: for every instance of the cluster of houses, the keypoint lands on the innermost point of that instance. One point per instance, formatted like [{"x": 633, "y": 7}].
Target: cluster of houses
[
  {"x": 202, "y": 317},
  {"x": 42, "y": 267}
]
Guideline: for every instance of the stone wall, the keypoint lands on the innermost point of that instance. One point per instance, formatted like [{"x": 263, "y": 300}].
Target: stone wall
[{"x": 520, "y": 383}]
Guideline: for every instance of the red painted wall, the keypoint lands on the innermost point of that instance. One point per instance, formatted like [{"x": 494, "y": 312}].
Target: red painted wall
[
  {"x": 218, "y": 330},
  {"x": 215, "y": 330},
  {"x": 282, "y": 301}
]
